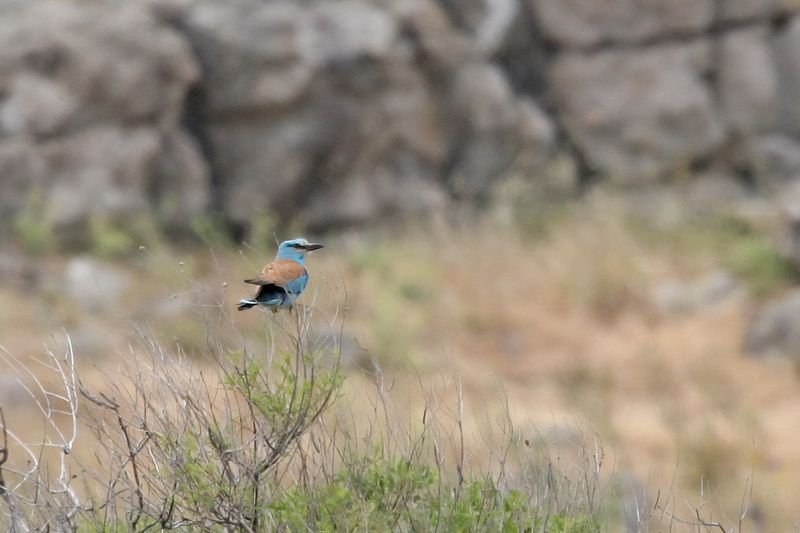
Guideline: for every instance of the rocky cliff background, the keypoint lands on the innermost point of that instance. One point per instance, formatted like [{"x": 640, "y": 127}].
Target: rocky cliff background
[{"x": 338, "y": 113}]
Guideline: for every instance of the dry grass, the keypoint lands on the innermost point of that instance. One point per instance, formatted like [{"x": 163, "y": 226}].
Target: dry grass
[{"x": 562, "y": 323}]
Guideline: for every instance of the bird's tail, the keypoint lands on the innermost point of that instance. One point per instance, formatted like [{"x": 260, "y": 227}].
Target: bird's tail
[{"x": 246, "y": 304}]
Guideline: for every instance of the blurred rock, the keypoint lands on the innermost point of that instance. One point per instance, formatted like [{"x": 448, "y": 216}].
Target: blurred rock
[
  {"x": 490, "y": 127},
  {"x": 343, "y": 141},
  {"x": 338, "y": 113},
  {"x": 337, "y": 119},
  {"x": 17, "y": 270},
  {"x": 265, "y": 163},
  {"x": 255, "y": 55},
  {"x": 538, "y": 131},
  {"x": 23, "y": 171},
  {"x": 94, "y": 285},
  {"x": 637, "y": 115},
  {"x": 776, "y": 161},
  {"x": 678, "y": 297},
  {"x": 748, "y": 81},
  {"x": 738, "y": 10},
  {"x": 170, "y": 12},
  {"x": 789, "y": 243},
  {"x": 91, "y": 95},
  {"x": 400, "y": 186},
  {"x": 260, "y": 56},
  {"x": 713, "y": 193},
  {"x": 525, "y": 57},
  {"x": 787, "y": 6},
  {"x": 436, "y": 44},
  {"x": 107, "y": 170},
  {"x": 99, "y": 171},
  {"x": 178, "y": 184},
  {"x": 351, "y": 30},
  {"x": 786, "y": 53},
  {"x": 361, "y": 100},
  {"x": 581, "y": 23},
  {"x": 35, "y": 105},
  {"x": 88, "y": 62},
  {"x": 488, "y": 22},
  {"x": 775, "y": 330}
]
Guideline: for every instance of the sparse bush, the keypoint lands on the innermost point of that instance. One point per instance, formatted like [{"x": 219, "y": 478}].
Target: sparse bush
[{"x": 254, "y": 443}]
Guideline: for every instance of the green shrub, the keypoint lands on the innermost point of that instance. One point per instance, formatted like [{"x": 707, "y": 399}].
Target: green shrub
[
  {"x": 756, "y": 260},
  {"x": 398, "y": 495},
  {"x": 747, "y": 251},
  {"x": 729, "y": 241}
]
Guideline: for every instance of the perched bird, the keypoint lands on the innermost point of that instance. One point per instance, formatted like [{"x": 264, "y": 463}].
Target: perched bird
[{"x": 281, "y": 281}]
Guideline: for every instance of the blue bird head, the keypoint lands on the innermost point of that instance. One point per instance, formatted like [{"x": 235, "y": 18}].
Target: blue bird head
[{"x": 296, "y": 249}]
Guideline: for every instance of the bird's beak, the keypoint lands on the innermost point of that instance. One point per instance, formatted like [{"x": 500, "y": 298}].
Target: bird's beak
[{"x": 312, "y": 247}]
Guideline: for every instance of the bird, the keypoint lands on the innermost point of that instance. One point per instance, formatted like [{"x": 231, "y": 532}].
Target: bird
[{"x": 282, "y": 280}]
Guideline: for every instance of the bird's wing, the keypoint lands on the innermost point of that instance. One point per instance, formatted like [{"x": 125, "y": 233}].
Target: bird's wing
[
  {"x": 280, "y": 272},
  {"x": 297, "y": 285}
]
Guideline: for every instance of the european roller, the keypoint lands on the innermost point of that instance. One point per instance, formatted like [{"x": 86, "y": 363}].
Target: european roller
[{"x": 281, "y": 281}]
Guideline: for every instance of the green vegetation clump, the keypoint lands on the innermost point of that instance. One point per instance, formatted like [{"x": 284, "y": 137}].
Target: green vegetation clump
[
  {"x": 211, "y": 230},
  {"x": 740, "y": 246},
  {"x": 756, "y": 259},
  {"x": 399, "y": 495},
  {"x": 102, "y": 236},
  {"x": 107, "y": 239}
]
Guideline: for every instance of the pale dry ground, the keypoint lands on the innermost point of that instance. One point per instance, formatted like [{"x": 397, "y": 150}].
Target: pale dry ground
[{"x": 557, "y": 332}]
